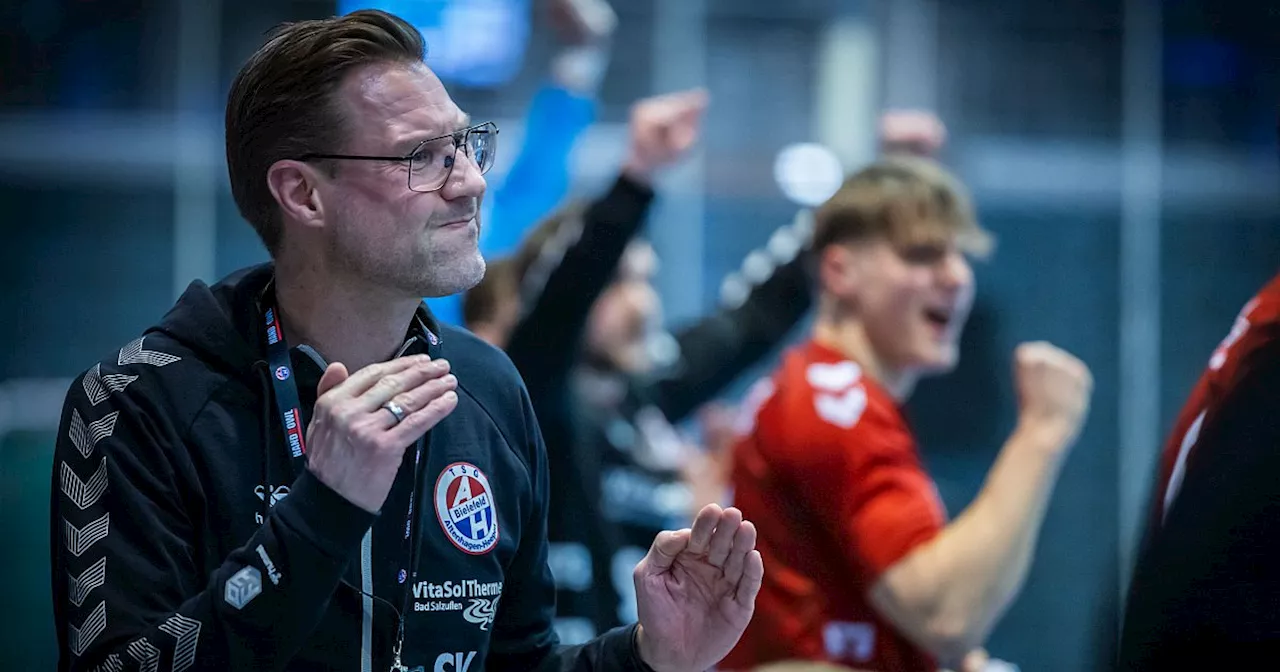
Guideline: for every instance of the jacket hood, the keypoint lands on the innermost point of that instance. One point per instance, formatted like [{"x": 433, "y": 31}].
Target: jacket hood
[{"x": 222, "y": 323}]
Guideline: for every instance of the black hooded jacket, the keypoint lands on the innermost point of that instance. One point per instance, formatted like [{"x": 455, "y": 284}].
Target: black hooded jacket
[{"x": 185, "y": 537}]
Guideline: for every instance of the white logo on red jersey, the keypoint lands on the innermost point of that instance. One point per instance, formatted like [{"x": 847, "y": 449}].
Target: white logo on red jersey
[
  {"x": 843, "y": 410},
  {"x": 833, "y": 377},
  {"x": 841, "y": 398}
]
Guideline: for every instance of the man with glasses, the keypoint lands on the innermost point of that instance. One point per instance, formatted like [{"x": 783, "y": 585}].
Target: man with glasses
[
  {"x": 298, "y": 468},
  {"x": 430, "y": 163}
]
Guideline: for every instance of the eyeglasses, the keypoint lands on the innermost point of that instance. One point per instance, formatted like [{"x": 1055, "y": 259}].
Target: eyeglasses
[{"x": 431, "y": 162}]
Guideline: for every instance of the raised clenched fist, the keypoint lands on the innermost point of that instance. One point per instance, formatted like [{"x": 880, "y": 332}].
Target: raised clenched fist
[
  {"x": 663, "y": 128},
  {"x": 915, "y": 132},
  {"x": 1053, "y": 390}
]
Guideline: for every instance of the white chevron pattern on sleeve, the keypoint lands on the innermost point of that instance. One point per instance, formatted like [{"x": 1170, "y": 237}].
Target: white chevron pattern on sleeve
[
  {"x": 79, "y": 540},
  {"x": 147, "y": 655},
  {"x": 187, "y": 632},
  {"x": 80, "y": 638},
  {"x": 92, "y": 578},
  {"x": 86, "y": 437},
  {"x": 111, "y": 664},
  {"x": 84, "y": 493},
  {"x": 134, "y": 354},
  {"x": 98, "y": 387}
]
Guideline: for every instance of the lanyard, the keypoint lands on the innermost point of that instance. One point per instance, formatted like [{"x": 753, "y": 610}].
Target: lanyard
[
  {"x": 289, "y": 407},
  {"x": 408, "y": 576},
  {"x": 286, "y": 391}
]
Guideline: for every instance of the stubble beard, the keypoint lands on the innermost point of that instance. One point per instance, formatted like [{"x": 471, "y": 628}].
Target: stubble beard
[{"x": 427, "y": 269}]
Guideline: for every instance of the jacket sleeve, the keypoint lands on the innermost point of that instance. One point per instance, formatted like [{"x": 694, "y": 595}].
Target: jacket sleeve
[
  {"x": 524, "y": 636},
  {"x": 545, "y": 343},
  {"x": 539, "y": 177},
  {"x": 717, "y": 348},
  {"x": 130, "y": 588}
]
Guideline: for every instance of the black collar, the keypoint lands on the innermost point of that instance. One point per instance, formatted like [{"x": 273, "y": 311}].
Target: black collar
[{"x": 424, "y": 325}]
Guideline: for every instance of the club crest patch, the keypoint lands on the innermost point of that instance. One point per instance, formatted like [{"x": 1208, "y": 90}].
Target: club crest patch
[{"x": 466, "y": 508}]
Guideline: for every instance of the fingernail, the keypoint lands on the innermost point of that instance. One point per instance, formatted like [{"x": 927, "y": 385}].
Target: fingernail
[{"x": 450, "y": 379}]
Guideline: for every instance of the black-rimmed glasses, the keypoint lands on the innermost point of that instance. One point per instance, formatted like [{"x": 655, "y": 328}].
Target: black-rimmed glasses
[{"x": 431, "y": 162}]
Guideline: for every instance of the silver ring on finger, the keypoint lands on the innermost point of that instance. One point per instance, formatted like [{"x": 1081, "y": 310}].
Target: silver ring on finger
[{"x": 395, "y": 410}]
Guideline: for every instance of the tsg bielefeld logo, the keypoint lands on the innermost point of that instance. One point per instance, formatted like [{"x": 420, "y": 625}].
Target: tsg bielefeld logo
[{"x": 466, "y": 508}]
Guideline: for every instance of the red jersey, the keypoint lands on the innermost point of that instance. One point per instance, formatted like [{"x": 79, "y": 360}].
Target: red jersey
[
  {"x": 1205, "y": 588},
  {"x": 828, "y": 471},
  {"x": 1255, "y": 327}
]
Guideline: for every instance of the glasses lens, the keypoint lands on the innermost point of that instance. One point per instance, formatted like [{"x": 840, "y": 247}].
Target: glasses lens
[
  {"x": 430, "y": 164},
  {"x": 482, "y": 144}
]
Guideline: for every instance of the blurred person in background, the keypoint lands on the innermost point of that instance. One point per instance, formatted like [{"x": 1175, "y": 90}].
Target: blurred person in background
[
  {"x": 1205, "y": 593},
  {"x": 576, "y": 311},
  {"x": 864, "y": 568},
  {"x": 561, "y": 111},
  {"x": 195, "y": 525}
]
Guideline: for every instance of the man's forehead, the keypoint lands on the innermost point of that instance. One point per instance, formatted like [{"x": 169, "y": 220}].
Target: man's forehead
[{"x": 397, "y": 100}]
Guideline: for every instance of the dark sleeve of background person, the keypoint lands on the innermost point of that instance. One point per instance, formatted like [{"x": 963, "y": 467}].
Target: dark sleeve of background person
[
  {"x": 545, "y": 342},
  {"x": 545, "y": 346},
  {"x": 524, "y": 637},
  {"x": 717, "y": 348},
  {"x": 1207, "y": 584}
]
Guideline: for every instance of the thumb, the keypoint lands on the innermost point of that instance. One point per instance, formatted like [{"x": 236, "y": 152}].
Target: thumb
[
  {"x": 666, "y": 546},
  {"x": 333, "y": 377}
]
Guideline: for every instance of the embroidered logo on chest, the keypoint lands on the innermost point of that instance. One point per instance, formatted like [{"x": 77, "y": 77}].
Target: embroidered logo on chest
[{"x": 466, "y": 508}]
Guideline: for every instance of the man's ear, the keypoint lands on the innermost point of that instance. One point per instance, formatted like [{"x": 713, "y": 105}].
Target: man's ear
[
  {"x": 839, "y": 270},
  {"x": 294, "y": 186}
]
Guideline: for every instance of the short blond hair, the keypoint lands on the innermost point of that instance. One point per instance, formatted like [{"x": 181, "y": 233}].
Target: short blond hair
[{"x": 903, "y": 200}]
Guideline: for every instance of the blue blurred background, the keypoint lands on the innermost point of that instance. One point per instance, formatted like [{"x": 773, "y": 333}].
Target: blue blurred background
[{"x": 1123, "y": 152}]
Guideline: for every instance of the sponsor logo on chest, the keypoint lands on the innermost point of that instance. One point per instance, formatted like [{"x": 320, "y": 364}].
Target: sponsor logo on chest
[
  {"x": 454, "y": 662},
  {"x": 477, "y": 600}
]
